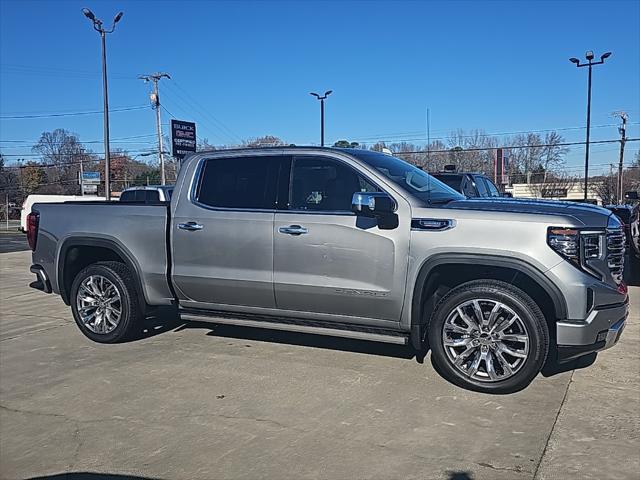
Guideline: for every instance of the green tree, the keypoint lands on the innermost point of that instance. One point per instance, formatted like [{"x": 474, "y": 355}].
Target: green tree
[{"x": 346, "y": 144}]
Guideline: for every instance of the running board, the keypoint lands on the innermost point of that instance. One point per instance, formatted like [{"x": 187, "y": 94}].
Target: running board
[{"x": 300, "y": 326}]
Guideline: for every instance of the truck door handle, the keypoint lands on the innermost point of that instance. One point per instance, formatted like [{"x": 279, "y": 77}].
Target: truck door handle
[
  {"x": 293, "y": 230},
  {"x": 190, "y": 226}
]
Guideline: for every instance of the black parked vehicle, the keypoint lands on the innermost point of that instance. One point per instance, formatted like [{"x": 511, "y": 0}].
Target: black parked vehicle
[
  {"x": 625, "y": 214},
  {"x": 470, "y": 184}
]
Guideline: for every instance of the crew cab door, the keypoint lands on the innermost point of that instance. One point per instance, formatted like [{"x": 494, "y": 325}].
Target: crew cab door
[
  {"x": 330, "y": 264},
  {"x": 222, "y": 234}
]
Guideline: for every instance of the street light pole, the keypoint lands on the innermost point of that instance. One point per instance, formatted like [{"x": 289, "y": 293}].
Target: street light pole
[
  {"x": 623, "y": 139},
  {"x": 98, "y": 27},
  {"x": 589, "y": 57},
  {"x": 105, "y": 96},
  {"x": 322, "y": 99}
]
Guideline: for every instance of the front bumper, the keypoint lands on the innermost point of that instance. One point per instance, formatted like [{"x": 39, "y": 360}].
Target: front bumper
[{"x": 601, "y": 330}]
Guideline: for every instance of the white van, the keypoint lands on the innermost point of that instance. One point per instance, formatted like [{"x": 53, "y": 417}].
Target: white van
[{"x": 31, "y": 199}]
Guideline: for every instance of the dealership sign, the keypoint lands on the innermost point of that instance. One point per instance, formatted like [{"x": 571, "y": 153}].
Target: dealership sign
[
  {"x": 91, "y": 178},
  {"x": 183, "y": 138},
  {"x": 554, "y": 193}
]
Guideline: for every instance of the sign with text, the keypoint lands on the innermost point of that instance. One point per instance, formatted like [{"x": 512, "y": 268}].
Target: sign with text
[
  {"x": 183, "y": 138},
  {"x": 554, "y": 193},
  {"x": 91, "y": 178}
]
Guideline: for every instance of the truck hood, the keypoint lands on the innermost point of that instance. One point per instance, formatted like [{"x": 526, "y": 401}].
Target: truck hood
[{"x": 586, "y": 214}]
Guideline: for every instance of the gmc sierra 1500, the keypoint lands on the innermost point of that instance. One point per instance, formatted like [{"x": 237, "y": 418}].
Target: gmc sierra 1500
[{"x": 350, "y": 243}]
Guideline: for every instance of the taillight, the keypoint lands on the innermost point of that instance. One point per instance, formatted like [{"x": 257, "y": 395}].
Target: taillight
[{"x": 33, "y": 219}]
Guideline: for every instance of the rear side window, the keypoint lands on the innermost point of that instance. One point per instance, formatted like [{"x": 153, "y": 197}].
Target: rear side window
[
  {"x": 453, "y": 181},
  {"x": 128, "y": 196},
  {"x": 322, "y": 184},
  {"x": 245, "y": 182},
  {"x": 152, "y": 196}
]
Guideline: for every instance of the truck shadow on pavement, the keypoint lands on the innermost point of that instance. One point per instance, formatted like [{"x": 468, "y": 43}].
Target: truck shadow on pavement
[
  {"x": 109, "y": 476},
  {"x": 164, "y": 320},
  {"x": 90, "y": 476}
]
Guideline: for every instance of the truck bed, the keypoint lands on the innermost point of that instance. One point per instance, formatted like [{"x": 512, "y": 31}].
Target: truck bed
[{"x": 137, "y": 231}]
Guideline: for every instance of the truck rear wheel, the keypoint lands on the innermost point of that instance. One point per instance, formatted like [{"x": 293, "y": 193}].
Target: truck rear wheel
[
  {"x": 104, "y": 302},
  {"x": 488, "y": 336}
]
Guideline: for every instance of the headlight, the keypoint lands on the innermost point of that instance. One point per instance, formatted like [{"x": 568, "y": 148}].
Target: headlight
[{"x": 585, "y": 248}]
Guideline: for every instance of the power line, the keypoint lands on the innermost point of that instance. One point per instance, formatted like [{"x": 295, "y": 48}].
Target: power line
[
  {"x": 213, "y": 117},
  {"x": 138, "y": 151},
  {"x": 203, "y": 113},
  {"x": 541, "y": 145},
  {"x": 32, "y": 142},
  {"x": 72, "y": 114},
  {"x": 454, "y": 135}
]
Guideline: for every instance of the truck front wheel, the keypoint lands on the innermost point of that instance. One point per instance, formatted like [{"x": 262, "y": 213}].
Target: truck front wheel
[
  {"x": 104, "y": 302},
  {"x": 488, "y": 336}
]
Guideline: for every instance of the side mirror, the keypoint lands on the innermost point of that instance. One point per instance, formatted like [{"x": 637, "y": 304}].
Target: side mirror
[
  {"x": 631, "y": 195},
  {"x": 507, "y": 194},
  {"x": 372, "y": 204}
]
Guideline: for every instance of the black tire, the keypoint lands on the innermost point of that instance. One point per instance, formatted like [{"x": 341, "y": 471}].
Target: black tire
[
  {"x": 519, "y": 302},
  {"x": 122, "y": 278}
]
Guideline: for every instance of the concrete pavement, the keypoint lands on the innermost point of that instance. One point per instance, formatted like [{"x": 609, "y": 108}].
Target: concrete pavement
[{"x": 201, "y": 401}]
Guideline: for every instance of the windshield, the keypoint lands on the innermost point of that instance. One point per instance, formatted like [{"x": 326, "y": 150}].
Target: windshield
[{"x": 408, "y": 177}]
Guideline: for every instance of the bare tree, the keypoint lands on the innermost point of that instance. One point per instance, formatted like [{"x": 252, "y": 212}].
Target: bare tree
[
  {"x": 605, "y": 187},
  {"x": 266, "y": 141},
  {"x": 64, "y": 152},
  {"x": 532, "y": 155}
]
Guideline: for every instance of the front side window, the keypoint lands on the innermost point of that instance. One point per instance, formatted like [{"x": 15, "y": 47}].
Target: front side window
[
  {"x": 322, "y": 184},
  {"x": 245, "y": 182},
  {"x": 467, "y": 187},
  {"x": 482, "y": 188},
  {"x": 493, "y": 190}
]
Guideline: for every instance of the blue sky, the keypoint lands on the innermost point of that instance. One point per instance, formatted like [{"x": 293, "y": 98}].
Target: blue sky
[{"x": 245, "y": 69}]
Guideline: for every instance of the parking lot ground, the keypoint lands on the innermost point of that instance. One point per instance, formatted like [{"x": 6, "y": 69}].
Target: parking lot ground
[
  {"x": 13, "y": 242},
  {"x": 201, "y": 401}
]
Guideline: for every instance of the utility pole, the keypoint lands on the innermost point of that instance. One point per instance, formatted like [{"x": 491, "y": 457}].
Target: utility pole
[
  {"x": 428, "y": 138},
  {"x": 81, "y": 176},
  {"x": 155, "y": 102},
  {"x": 622, "y": 129}
]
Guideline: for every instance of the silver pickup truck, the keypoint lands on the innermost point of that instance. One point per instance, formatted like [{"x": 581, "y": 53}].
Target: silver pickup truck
[{"x": 349, "y": 243}]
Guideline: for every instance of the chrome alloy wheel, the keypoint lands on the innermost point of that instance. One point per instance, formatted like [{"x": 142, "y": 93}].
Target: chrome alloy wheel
[
  {"x": 99, "y": 304},
  {"x": 485, "y": 340}
]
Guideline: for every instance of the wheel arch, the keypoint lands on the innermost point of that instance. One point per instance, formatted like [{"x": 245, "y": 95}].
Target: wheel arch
[
  {"x": 447, "y": 270},
  {"x": 78, "y": 252}
]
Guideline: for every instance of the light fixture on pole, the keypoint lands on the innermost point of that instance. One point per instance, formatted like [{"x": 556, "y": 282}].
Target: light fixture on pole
[
  {"x": 98, "y": 27},
  {"x": 322, "y": 99},
  {"x": 589, "y": 56}
]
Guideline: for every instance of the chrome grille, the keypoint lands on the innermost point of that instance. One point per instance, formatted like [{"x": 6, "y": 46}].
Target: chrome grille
[{"x": 615, "y": 253}]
